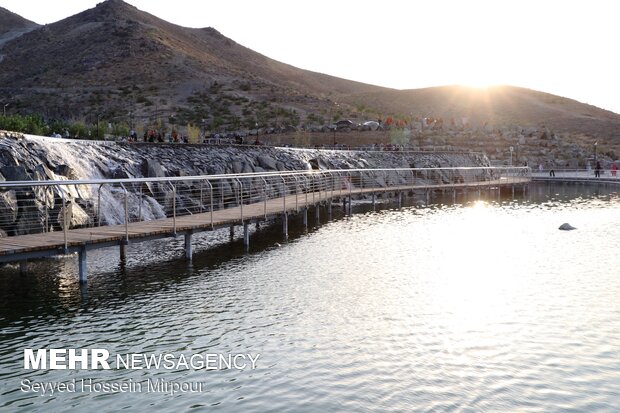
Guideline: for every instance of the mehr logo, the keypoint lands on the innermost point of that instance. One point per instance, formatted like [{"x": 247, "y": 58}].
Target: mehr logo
[
  {"x": 97, "y": 358},
  {"x": 61, "y": 359}
]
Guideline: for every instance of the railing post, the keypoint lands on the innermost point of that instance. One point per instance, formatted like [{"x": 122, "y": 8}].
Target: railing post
[
  {"x": 140, "y": 205},
  {"x": 64, "y": 216},
  {"x": 296, "y": 193},
  {"x": 240, "y": 196},
  {"x": 99, "y": 206},
  {"x": 264, "y": 197},
  {"x": 45, "y": 188},
  {"x": 202, "y": 208},
  {"x": 174, "y": 208},
  {"x": 361, "y": 183},
  {"x": 306, "y": 191},
  {"x": 350, "y": 183},
  {"x": 283, "y": 194},
  {"x": 126, "y": 214},
  {"x": 211, "y": 201}
]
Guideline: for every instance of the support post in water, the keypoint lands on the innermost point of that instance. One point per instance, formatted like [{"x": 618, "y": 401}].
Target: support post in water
[
  {"x": 329, "y": 209},
  {"x": 285, "y": 224},
  {"x": 306, "y": 217},
  {"x": 23, "y": 267},
  {"x": 123, "y": 250},
  {"x": 318, "y": 215},
  {"x": 246, "y": 235},
  {"x": 232, "y": 233},
  {"x": 373, "y": 202},
  {"x": 400, "y": 200},
  {"x": 82, "y": 265},
  {"x": 188, "y": 245},
  {"x": 454, "y": 196}
]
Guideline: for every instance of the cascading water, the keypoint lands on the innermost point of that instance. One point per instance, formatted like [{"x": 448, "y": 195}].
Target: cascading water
[
  {"x": 26, "y": 157},
  {"x": 87, "y": 161}
]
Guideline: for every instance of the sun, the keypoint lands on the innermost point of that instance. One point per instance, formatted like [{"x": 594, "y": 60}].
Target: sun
[
  {"x": 476, "y": 84},
  {"x": 478, "y": 77}
]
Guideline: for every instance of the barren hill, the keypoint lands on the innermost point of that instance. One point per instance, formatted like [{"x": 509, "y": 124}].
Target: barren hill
[
  {"x": 10, "y": 21},
  {"x": 118, "y": 63},
  {"x": 12, "y": 26},
  {"x": 499, "y": 105},
  {"x": 115, "y": 57}
]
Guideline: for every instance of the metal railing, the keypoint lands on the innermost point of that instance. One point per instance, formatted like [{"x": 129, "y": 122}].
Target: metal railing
[
  {"x": 576, "y": 173},
  {"x": 54, "y": 206}
]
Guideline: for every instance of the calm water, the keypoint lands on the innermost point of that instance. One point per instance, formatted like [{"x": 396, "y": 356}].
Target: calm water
[{"x": 477, "y": 306}]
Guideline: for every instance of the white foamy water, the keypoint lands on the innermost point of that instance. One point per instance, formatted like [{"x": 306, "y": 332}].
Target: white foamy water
[
  {"x": 87, "y": 162},
  {"x": 474, "y": 307}
]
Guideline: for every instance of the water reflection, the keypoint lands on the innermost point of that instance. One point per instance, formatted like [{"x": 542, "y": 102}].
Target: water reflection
[{"x": 481, "y": 305}]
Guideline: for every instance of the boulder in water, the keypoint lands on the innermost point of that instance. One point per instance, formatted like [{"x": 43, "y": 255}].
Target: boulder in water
[{"x": 566, "y": 227}]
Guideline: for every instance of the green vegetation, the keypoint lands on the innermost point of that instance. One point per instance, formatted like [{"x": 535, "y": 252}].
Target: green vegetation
[
  {"x": 36, "y": 125},
  {"x": 26, "y": 124},
  {"x": 215, "y": 108}
]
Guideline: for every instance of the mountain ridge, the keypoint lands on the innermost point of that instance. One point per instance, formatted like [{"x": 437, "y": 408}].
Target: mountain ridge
[{"x": 117, "y": 61}]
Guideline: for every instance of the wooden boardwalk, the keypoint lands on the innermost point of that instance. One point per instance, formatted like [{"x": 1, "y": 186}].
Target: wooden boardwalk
[
  {"x": 23, "y": 247},
  {"x": 577, "y": 176}
]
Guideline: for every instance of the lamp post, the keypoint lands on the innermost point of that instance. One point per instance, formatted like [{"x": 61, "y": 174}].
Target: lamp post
[
  {"x": 511, "y": 149},
  {"x": 337, "y": 106},
  {"x": 595, "y": 156},
  {"x": 4, "y": 109}
]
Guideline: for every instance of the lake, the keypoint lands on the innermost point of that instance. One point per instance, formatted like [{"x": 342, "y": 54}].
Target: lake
[{"x": 473, "y": 306}]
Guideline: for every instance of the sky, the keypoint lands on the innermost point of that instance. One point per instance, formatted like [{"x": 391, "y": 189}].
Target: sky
[{"x": 568, "y": 48}]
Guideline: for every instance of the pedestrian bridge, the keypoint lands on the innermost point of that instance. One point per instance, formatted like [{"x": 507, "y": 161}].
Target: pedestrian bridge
[
  {"x": 577, "y": 176},
  {"x": 65, "y": 217}
]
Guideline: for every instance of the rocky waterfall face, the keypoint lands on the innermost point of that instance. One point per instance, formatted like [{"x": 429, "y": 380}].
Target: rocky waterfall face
[{"x": 25, "y": 158}]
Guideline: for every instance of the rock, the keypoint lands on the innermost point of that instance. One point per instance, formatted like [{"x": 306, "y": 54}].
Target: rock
[
  {"x": 266, "y": 162},
  {"x": 247, "y": 168},
  {"x": 44, "y": 173},
  {"x": 15, "y": 173},
  {"x": 237, "y": 167},
  {"x": 8, "y": 208},
  {"x": 31, "y": 218},
  {"x": 76, "y": 216},
  {"x": 152, "y": 169},
  {"x": 7, "y": 158},
  {"x": 66, "y": 170},
  {"x": 119, "y": 173},
  {"x": 566, "y": 227}
]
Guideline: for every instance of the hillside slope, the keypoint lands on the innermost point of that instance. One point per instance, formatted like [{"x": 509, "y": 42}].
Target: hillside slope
[{"x": 118, "y": 63}]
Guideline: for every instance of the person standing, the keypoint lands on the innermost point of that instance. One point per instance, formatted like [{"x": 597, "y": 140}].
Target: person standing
[
  {"x": 614, "y": 168},
  {"x": 597, "y": 170}
]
